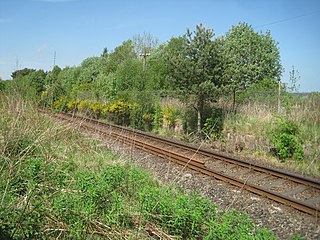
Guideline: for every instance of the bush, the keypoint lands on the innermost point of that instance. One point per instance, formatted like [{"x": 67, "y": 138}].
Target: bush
[
  {"x": 213, "y": 126},
  {"x": 67, "y": 190},
  {"x": 285, "y": 137},
  {"x": 169, "y": 115}
]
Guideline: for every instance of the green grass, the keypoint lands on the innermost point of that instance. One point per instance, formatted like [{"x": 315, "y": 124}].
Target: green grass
[
  {"x": 55, "y": 183},
  {"x": 257, "y": 121}
]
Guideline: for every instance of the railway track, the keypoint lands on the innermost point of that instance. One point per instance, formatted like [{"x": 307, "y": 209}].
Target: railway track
[{"x": 299, "y": 192}]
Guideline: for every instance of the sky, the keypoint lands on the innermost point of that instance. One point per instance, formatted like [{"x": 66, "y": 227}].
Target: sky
[{"x": 32, "y": 31}]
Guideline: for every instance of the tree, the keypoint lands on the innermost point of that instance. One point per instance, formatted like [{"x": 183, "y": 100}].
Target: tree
[
  {"x": 22, "y": 72},
  {"x": 157, "y": 71},
  {"x": 89, "y": 70},
  {"x": 37, "y": 80},
  {"x": 194, "y": 66},
  {"x": 2, "y": 85},
  {"x": 105, "y": 53},
  {"x": 120, "y": 54},
  {"x": 294, "y": 79},
  {"x": 250, "y": 57},
  {"x": 53, "y": 85}
]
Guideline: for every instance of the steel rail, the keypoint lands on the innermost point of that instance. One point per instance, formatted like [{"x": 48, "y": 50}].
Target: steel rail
[
  {"x": 315, "y": 183},
  {"x": 198, "y": 165}
]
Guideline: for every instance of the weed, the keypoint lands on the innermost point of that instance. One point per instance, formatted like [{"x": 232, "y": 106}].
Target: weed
[
  {"x": 66, "y": 188},
  {"x": 285, "y": 137}
]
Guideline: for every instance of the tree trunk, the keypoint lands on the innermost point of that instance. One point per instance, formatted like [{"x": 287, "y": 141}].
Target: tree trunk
[{"x": 200, "y": 105}]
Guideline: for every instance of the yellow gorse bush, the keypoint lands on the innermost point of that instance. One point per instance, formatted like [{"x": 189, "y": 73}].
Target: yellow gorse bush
[
  {"x": 119, "y": 107},
  {"x": 73, "y": 105},
  {"x": 59, "y": 103},
  {"x": 43, "y": 94},
  {"x": 98, "y": 107},
  {"x": 169, "y": 115},
  {"x": 84, "y": 105}
]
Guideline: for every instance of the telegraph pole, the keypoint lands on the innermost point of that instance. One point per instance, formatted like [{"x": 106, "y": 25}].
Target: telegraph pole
[
  {"x": 144, "y": 56},
  {"x": 279, "y": 97}
]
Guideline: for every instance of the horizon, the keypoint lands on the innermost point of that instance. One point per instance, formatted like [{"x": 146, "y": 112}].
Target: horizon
[{"x": 34, "y": 30}]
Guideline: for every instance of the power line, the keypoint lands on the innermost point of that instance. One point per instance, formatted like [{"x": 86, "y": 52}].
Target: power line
[{"x": 287, "y": 19}]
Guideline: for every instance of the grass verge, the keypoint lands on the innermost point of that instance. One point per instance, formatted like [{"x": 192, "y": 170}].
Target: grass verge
[{"x": 55, "y": 183}]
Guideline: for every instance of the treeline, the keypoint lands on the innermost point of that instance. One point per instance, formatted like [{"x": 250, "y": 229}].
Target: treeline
[{"x": 128, "y": 84}]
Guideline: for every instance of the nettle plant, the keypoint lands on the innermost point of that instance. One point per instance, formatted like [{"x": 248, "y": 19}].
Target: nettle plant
[{"x": 285, "y": 136}]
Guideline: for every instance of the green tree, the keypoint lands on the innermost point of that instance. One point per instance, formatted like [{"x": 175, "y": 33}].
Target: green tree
[
  {"x": 194, "y": 65},
  {"x": 36, "y": 79},
  {"x": 250, "y": 58},
  {"x": 22, "y": 72},
  {"x": 157, "y": 71},
  {"x": 52, "y": 76},
  {"x": 68, "y": 78},
  {"x": 89, "y": 70},
  {"x": 129, "y": 78},
  {"x": 53, "y": 86},
  {"x": 28, "y": 83},
  {"x": 120, "y": 54},
  {"x": 2, "y": 85}
]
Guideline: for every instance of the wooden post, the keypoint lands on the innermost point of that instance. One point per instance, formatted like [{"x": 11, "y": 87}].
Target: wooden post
[{"x": 279, "y": 97}]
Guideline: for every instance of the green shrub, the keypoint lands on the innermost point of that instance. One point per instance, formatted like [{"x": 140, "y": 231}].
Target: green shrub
[
  {"x": 285, "y": 137},
  {"x": 213, "y": 126},
  {"x": 235, "y": 225},
  {"x": 169, "y": 115},
  {"x": 67, "y": 190}
]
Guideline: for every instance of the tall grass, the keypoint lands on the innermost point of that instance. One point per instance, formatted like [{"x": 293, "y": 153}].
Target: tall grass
[
  {"x": 56, "y": 184},
  {"x": 254, "y": 120}
]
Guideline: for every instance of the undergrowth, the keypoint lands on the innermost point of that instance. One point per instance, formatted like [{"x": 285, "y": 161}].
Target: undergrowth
[
  {"x": 290, "y": 140},
  {"x": 285, "y": 136},
  {"x": 56, "y": 184}
]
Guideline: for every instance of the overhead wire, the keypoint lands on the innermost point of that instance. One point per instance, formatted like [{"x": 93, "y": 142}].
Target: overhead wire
[{"x": 287, "y": 19}]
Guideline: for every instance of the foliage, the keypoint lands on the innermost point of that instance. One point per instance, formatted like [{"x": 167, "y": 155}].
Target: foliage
[
  {"x": 194, "y": 67},
  {"x": 156, "y": 123},
  {"x": 213, "y": 125},
  {"x": 61, "y": 104},
  {"x": 235, "y": 225},
  {"x": 169, "y": 115},
  {"x": 22, "y": 72},
  {"x": 250, "y": 57},
  {"x": 74, "y": 189},
  {"x": 2, "y": 85},
  {"x": 189, "y": 120},
  {"x": 285, "y": 137},
  {"x": 264, "y": 91}
]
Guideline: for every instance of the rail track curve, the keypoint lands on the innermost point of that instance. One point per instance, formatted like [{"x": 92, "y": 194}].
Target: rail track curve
[{"x": 296, "y": 191}]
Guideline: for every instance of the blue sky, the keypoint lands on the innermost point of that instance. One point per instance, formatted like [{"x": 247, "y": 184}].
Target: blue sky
[{"x": 31, "y": 30}]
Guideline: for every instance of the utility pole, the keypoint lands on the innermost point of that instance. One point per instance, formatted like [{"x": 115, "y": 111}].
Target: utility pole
[
  {"x": 279, "y": 97},
  {"x": 144, "y": 56}
]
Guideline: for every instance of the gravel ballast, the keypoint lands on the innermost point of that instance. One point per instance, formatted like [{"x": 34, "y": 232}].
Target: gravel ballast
[{"x": 284, "y": 221}]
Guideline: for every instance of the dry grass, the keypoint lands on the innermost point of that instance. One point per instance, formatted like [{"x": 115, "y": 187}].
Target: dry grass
[{"x": 252, "y": 122}]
